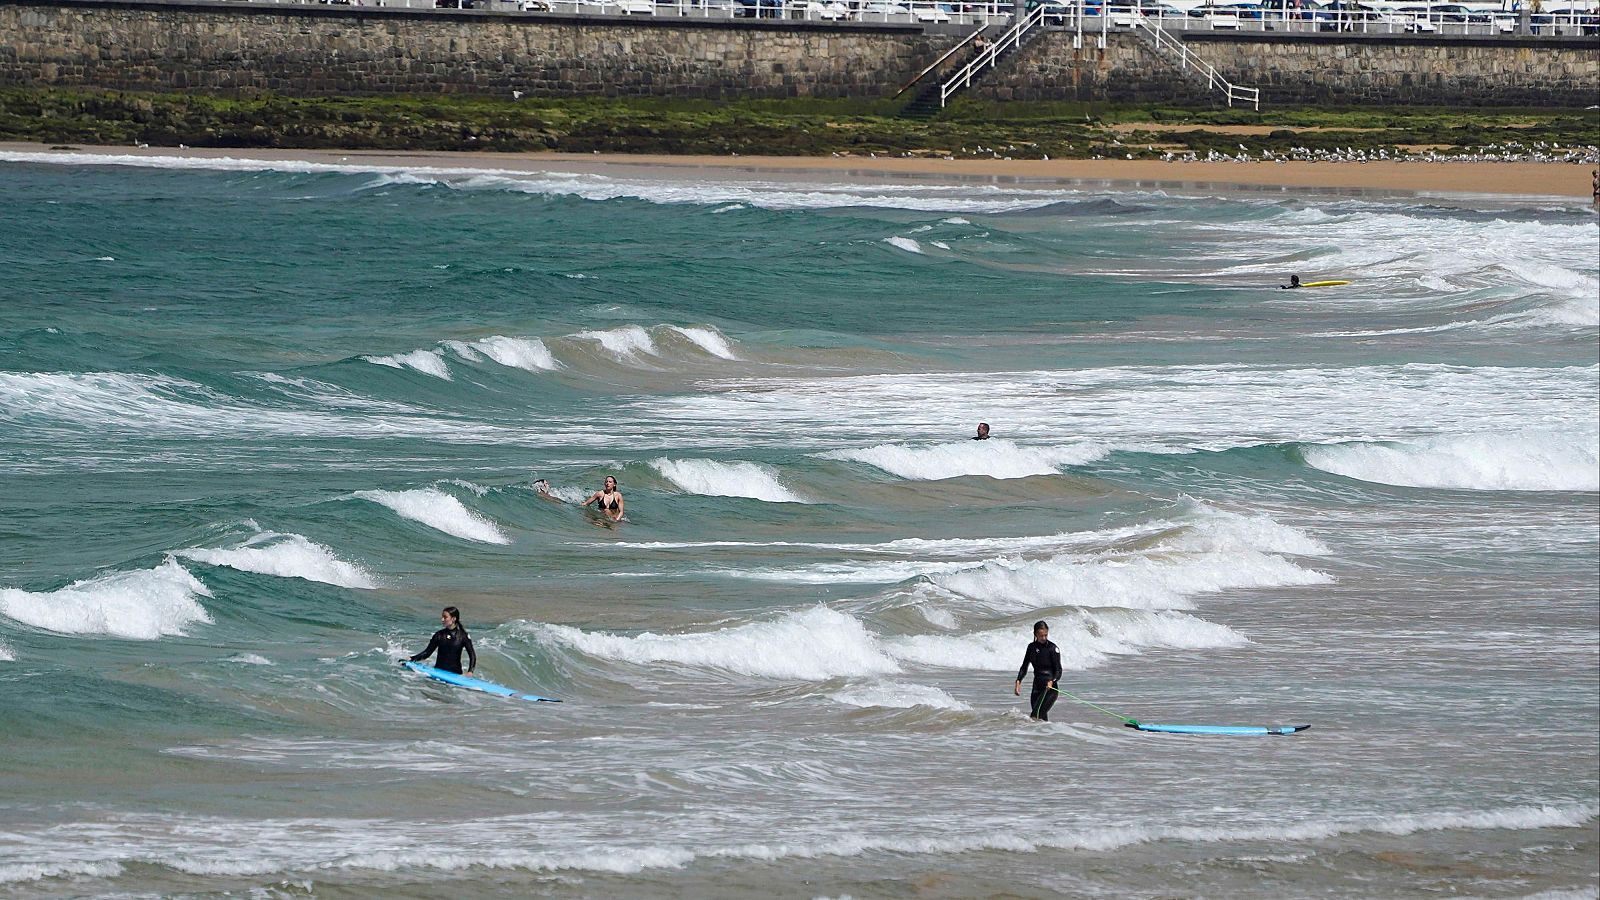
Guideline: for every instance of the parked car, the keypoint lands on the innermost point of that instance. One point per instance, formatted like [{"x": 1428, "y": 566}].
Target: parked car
[
  {"x": 765, "y": 9},
  {"x": 1448, "y": 13},
  {"x": 1055, "y": 12},
  {"x": 935, "y": 13}
]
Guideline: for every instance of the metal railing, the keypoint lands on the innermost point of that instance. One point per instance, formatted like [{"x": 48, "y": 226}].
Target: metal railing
[
  {"x": 941, "y": 60},
  {"x": 1186, "y": 58},
  {"x": 1279, "y": 16},
  {"x": 990, "y": 53}
]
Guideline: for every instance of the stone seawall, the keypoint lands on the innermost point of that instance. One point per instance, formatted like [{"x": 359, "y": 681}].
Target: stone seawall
[
  {"x": 1306, "y": 69},
  {"x": 320, "y": 50}
]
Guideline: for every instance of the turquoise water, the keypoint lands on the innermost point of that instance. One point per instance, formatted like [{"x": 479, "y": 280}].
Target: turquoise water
[{"x": 258, "y": 422}]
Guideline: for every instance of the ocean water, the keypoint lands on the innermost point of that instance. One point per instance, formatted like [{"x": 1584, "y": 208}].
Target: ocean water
[{"x": 259, "y": 422}]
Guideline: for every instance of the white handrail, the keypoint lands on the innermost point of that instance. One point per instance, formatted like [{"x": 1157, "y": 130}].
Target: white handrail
[
  {"x": 1189, "y": 59},
  {"x": 989, "y": 54}
]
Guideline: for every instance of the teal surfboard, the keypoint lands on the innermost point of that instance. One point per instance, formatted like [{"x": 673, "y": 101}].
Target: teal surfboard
[
  {"x": 474, "y": 684},
  {"x": 1219, "y": 729}
]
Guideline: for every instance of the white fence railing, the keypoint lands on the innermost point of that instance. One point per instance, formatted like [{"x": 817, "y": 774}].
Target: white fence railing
[
  {"x": 986, "y": 57},
  {"x": 1281, "y": 16},
  {"x": 1180, "y": 53}
]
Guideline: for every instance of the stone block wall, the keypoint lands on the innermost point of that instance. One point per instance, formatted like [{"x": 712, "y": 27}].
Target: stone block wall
[
  {"x": 319, "y": 50},
  {"x": 1294, "y": 69}
]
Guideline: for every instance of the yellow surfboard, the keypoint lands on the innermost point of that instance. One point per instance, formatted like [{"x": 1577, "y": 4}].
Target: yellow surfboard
[{"x": 1322, "y": 283}]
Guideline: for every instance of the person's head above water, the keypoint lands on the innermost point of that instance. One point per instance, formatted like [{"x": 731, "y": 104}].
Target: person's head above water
[
  {"x": 611, "y": 483},
  {"x": 1041, "y": 630},
  {"x": 450, "y": 616},
  {"x": 1294, "y": 281},
  {"x": 983, "y": 432}
]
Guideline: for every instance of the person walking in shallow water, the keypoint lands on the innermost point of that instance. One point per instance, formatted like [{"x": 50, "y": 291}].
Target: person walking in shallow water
[{"x": 1045, "y": 658}]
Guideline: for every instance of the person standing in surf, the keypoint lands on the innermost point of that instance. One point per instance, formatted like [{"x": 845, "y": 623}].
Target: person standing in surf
[
  {"x": 983, "y": 432},
  {"x": 609, "y": 500},
  {"x": 448, "y": 642},
  {"x": 1045, "y": 658}
]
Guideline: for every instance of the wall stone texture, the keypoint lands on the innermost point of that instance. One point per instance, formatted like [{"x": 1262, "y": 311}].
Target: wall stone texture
[
  {"x": 1310, "y": 69},
  {"x": 238, "y": 48},
  {"x": 321, "y": 50}
]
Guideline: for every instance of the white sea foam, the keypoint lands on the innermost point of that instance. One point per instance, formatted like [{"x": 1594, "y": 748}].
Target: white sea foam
[
  {"x": 251, "y": 659},
  {"x": 898, "y": 696},
  {"x": 626, "y": 342},
  {"x": 428, "y": 362},
  {"x": 1148, "y": 580},
  {"x": 995, "y": 458},
  {"x": 436, "y": 509},
  {"x": 1086, "y": 639},
  {"x": 903, "y": 243},
  {"x": 6, "y": 653},
  {"x": 708, "y": 339},
  {"x": 818, "y": 643},
  {"x": 202, "y": 846},
  {"x": 529, "y": 354},
  {"x": 286, "y": 556},
  {"x": 769, "y": 195},
  {"x": 140, "y": 605},
  {"x": 1522, "y": 461},
  {"x": 725, "y": 479}
]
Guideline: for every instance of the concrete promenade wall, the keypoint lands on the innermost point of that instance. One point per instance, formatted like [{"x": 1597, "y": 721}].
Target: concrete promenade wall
[
  {"x": 1309, "y": 69},
  {"x": 316, "y": 50},
  {"x": 312, "y": 50}
]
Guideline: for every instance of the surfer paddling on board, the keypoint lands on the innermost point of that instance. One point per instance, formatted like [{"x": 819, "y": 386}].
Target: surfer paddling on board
[
  {"x": 609, "y": 500},
  {"x": 449, "y": 641},
  {"x": 1294, "y": 282},
  {"x": 983, "y": 432},
  {"x": 1045, "y": 658}
]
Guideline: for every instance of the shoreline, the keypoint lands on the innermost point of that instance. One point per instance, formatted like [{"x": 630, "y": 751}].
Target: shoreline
[{"x": 1527, "y": 179}]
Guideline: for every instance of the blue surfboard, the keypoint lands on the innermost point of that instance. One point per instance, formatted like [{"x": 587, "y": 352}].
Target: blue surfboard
[
  {"x": 1219, "y": 729},
  {"x": 474, "y": 684}
]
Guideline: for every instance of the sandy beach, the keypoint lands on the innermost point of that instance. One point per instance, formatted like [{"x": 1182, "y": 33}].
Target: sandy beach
[{"x": 1503, "y": 178}]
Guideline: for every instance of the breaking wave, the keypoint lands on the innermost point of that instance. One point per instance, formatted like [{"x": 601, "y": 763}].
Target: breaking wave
[
  {"x": 440, "y": 511},
  {"x": 1524, "y": 461},
  {"x": 285, "y": 556},
  {"x": 725, "y": 479},
  {"x": 140, "y": 605},
  {"x": 995, "y": 458}
]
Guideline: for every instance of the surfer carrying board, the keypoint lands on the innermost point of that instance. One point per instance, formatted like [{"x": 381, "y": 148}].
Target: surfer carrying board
[
  {"x": 449, "y": 641},
  {"x": 609, "y": 500},
  {"x": 1045, "y": 658}
]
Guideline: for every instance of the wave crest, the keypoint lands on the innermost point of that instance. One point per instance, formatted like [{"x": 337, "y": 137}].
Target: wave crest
[
  {"x": 140, "y": 605},
  {"x": 1525, "y": 461},
  {"x": 440, "y": 511},
  {"x": 285, "y": 556},
  {"x": 725, "y": 479},
  {"x": 996, "y": 458}
]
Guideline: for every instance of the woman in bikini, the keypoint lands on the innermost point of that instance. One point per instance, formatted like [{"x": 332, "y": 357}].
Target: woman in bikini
[{"x": 609, "y": 499}]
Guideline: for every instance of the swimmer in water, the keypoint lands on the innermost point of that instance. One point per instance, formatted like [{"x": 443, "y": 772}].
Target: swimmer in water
[
  {"x": 1294, "y": 282},
  {"x": 608, "y": 499},
  {"x": 983, "y": 432},
  {"x": 449, "y": 641}
]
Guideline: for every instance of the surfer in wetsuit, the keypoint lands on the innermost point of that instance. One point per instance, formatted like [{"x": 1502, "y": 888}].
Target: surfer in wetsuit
[
  {"x": 449, "y": 641},
  {"x": 609, "y": 500},
  {"x": 983, "y": 432},
  {"x": 1045, "y": 658},
  {"x": 1294, "y": 282}
]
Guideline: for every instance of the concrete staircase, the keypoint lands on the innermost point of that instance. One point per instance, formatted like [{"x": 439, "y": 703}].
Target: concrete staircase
[{"x": 934, "y": 90}]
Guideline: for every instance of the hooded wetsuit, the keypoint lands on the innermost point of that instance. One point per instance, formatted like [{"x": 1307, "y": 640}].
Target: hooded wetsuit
[
  {"x": 1045, "y": 659},
  {"x": 450, "y": 642}
]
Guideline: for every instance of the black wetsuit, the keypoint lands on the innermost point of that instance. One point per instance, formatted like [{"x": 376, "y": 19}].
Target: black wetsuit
[
  {"x": 1045, "y": 659},
  {"x": 450, "y": 642}
]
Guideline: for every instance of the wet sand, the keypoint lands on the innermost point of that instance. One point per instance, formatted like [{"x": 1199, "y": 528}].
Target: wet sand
[{"x": 1467, "y": 177}]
